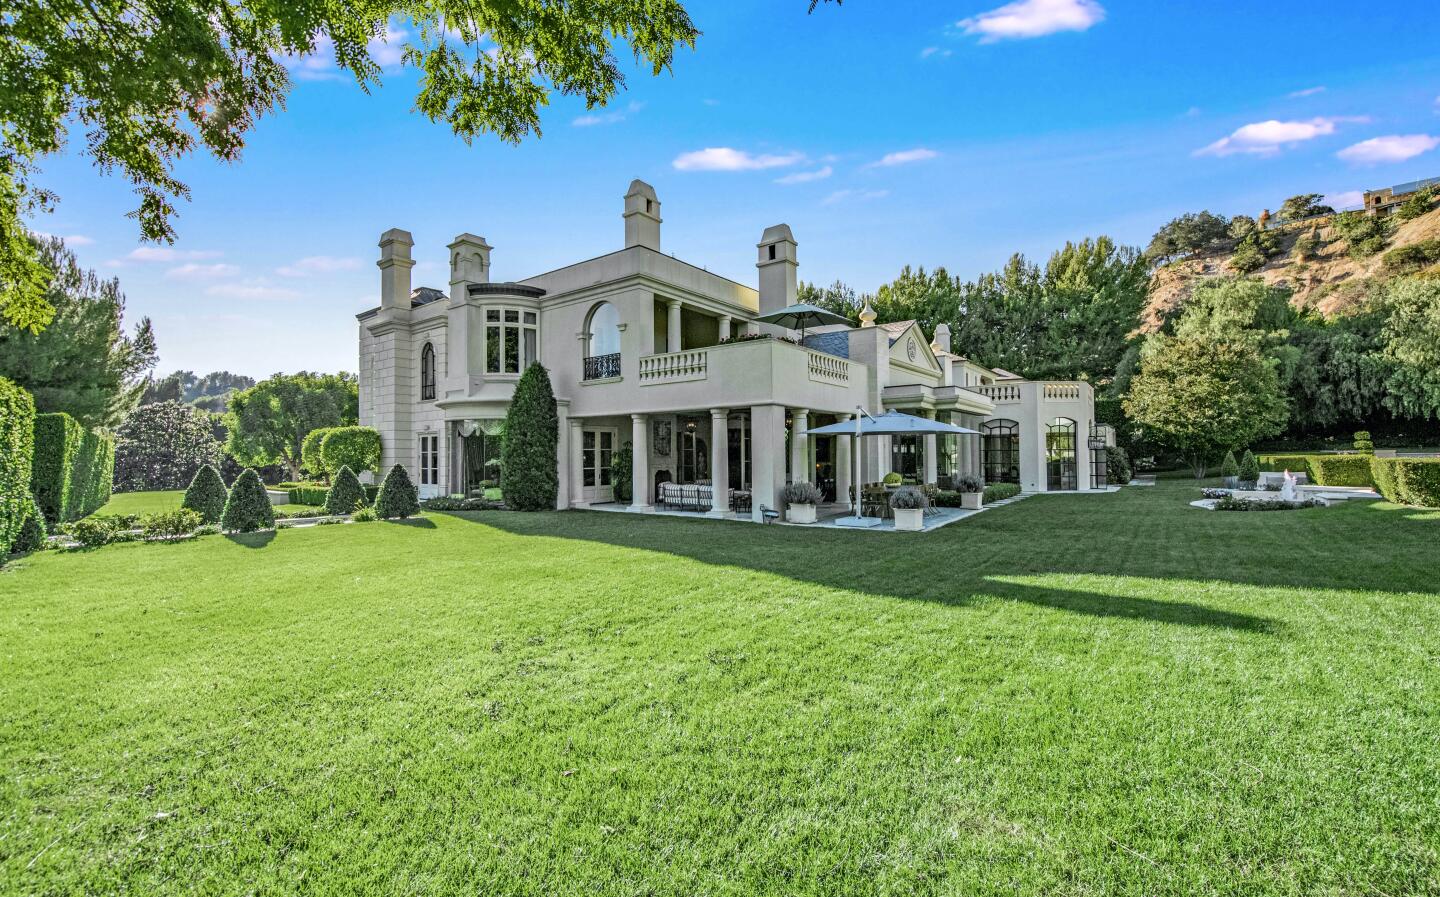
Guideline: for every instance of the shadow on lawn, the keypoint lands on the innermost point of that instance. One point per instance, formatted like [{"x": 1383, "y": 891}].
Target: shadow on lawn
[{"x": 252, "y": 540}]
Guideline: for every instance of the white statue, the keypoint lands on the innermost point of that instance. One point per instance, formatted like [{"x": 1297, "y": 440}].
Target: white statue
[{"x": 1287, "y": 489}]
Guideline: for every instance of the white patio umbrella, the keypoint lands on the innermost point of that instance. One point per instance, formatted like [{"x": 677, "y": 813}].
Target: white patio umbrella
[
  {"x": 891, "y": 423},
  {"x": 801, "y": 316}
]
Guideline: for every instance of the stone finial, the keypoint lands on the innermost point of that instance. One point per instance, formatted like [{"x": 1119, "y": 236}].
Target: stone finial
[
  {"x": 867, "y": 314},
  {"x": 941, "y": 342}
]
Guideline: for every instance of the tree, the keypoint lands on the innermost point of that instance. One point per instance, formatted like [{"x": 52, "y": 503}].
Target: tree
[
  {"x": 162, "y": 446},
  {"x": 1241, "y": 226},
  {"x": 268, "y": 422},
  {"x": 355, "y": 447},
  {"x": 529, "y": 475},
  {"x": 206, "y": 494},
  {"x": 1202, "y": 396},
  {"x": 310, "y": 457},
  {"x": 247, "y": 508},
  {"x": 1365, "y": 234},
  {"x": 346, "y": 494},
  {"x": 83, "y": 363},
  {"x": 1306, "y": 205},
  {"x": 1187, "y": 234},
  {"x": 397, "y": 496},
  {"x": 1249, "y": 468},
  {"x": 837, "y": 297},
  {"x": 1411, "y": 346},
  {"x": 150, "y": 82},
  {"x": 1247, "y": 258},
  {"x": 1419, "y": 203}
]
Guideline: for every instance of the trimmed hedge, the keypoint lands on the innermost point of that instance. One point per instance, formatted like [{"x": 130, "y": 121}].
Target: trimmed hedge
[
  {"x": 248, "y": 507},
  {"x": 17, "y": 449},
  {"x": 1408, "y": 481},
  {"x": 357, "y": 448},
  {"x": 1000, "y": 491},
  {"x": 315, "y": 496},
  {"x": 397, "y": 495},
  {"x": 1340, "y": 470},
  {"x": 1292, "y": 463},
  {"x": 310, "y": 457},
  {"x": 73, "y": 469},
  {"x": 206, "y": 495},
  {"x": 346, "y": 496},
  {"x": 32, "y": 532}
]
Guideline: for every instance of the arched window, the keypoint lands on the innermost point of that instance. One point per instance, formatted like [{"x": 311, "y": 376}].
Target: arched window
[
  {"x": 1060, "y": 454},
  {"x": 1000, "y": 451},
  {"x": 602, "y": 342},
  {"x": 427, "y": 373}
]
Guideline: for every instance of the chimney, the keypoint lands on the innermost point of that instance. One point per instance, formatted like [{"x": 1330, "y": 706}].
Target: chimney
[
  {"x": 395, "y": 264},
  {"x": 777, "y": 268},
  {"x": 941, "y": 342},
  {"x": 642, "y": 216},
  {"x": 469, "y": 262}
]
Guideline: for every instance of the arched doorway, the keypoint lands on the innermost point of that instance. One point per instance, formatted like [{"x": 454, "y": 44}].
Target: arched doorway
[
  {"x": 1060, "y": 467},
  {"x": 1000, "y": 451}
]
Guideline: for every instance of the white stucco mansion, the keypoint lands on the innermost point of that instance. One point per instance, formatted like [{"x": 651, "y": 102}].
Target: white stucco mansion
[{"x": 645, "y": 349}]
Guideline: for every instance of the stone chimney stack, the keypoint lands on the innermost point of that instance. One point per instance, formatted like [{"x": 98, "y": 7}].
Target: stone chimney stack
[
  {"x": 777, "y": 265},
  {"x": 642, "y": 216},
  {"x": 395, "y": 264},
  {"x": 941, "y": 342},
  {"x": 469, "y": 260}
]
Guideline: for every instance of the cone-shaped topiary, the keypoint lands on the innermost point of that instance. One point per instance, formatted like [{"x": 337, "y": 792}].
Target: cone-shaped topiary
[
  {"x": 529, "y": 474},
  {"x": 1229, "y": 467},
  {"x": 1249, "y": 468},
  {"x": 346, "y": 494},
  {"x": 397, "y": 496},
  {"x": 206, "y": 495},
  {"x": 248, "y": 507},
  {"x": 32, "y": 531}
]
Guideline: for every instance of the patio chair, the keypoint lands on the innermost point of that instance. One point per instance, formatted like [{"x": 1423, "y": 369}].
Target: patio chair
[
  {"x": 875, "y": 501},
  {"x": 740, "y": 501},
  {"x": 768, "y": 515},
  {"x": 930, "y": 492}
]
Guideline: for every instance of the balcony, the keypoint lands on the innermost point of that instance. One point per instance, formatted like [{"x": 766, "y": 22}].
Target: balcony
[
  {"x": 602, "y": 367},
  {"x": 1021, "y": 391}
]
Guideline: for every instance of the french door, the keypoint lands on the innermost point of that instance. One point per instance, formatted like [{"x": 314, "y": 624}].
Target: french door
[{"x": 597, "y": 450}]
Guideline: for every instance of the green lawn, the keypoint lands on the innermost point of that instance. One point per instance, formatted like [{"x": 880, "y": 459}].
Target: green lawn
[
  {"x": 153, "y": 502},
  {"x": 1110, "y": 694}
]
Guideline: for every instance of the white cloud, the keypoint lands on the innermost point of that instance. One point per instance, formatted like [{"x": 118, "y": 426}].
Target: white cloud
[
  {"x": 1394, "y": 148},
  {"x": 844, "y": 195},
  {"x": 933, "y": 51},
  {"x": 251, "y": 289},
  {"x": 1344, "y": 199},
  {"x": 804, "y": 177},
  {"x": 71, "y": 240},
  {"x": 194, "y": 271},
  {"x": 611, "y": 117},
  {"x": 1307, "y": 92},
  {"x": 904, "y": 157},
  {"x": 1033, "y": 18},
  {"x": 320, "y": 65},
  {"x": 318, "y": 264},
  {"x": 1266, "y": 138},
  {"x": 724, "y": 158},
  {"x": 152, "y": 254}
]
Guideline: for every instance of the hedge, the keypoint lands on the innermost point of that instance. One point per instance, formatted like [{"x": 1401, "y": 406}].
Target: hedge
[
  {"x": 1292, "y": 463},
  {"x": 310, "y": 451},
  {"x": 1000, "y": 491},
  {"x": 357, "y": 448},
  {"x": 17, "y": 442},
  {"x": 315, "y": 495},
  {"x": 1340, "y": 470},
  {"x": 73, "y": 469},
  {"x": 1408, "y": 481}
]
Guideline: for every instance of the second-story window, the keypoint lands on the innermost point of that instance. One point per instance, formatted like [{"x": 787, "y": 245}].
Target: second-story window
[
  {"x": 427, "y": 373},
  {"x": 510, "y": 340},
  {"x": 602, "y": 343}
]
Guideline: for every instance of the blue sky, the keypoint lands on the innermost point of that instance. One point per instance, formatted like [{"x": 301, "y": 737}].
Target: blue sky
[{"x": 884, "y": 133}]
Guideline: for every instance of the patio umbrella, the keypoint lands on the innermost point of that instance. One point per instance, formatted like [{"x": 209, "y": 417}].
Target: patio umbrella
[
  {"x": 801, "y": 316},
  {"x": 891, "y": 423}
]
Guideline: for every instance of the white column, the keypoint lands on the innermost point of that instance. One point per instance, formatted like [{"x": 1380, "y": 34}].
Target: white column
[
  {"x": 931, "y": 466},
  {"x": 577, "y": 458},
  {"x": 640, "y": 463},
  {"x": 563, "y": 451},
  {"x": 724, "y": 327},
  {"x": 767, "y": 461},
  {"x": 672, "y": 331},
  {"x": 843, "y": 463},
  {"x": 800, "y": 471},
  {"x": 719, "y": 462}
]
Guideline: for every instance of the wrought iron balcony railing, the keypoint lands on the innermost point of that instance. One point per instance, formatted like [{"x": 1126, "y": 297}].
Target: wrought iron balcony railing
[{"x": 602, "y": 367}]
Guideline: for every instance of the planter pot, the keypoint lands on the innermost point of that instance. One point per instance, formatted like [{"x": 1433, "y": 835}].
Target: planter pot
[
  {"x": 909, "y": 519},
  {"x": 800, "y": 514},
  {"x": 970, "y": 501},
  {"x": 1232, "y": 482}
]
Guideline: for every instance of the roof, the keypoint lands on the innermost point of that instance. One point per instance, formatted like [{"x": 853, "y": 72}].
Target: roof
[
  {"x": 1002, "y": 374},
  {"x": 507, "y": 288},
  {"x": 835, "y": 342},
  {"x": 424, "y": 296},
  {"x": 896, "y": 329}
]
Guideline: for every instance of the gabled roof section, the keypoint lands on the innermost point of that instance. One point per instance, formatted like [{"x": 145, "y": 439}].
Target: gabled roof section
[
  {"x": 897, "y": 329},
  {"x": 424, "y": 296},
  {"x": 908, "y": 346}
]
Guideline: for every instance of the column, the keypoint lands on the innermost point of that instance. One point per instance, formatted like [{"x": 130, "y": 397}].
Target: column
[
  {"x": 577, "y": 458},
  {"x": 564, "y": 448},
  {"x": 800, "y": 470},
  {"x": 767, "y": 461},
  {"x": 843, "y": 465},
  {"x": 672, "y": 331},
  {"x": 724, "y": 327},
  {"x": 719, "y": 462},
  {"x": 931, "y": 466},
  {"x": 640, "y": 463}
]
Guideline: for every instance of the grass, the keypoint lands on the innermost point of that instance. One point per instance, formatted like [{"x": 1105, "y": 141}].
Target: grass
[
  {"x": 169, "y": 500},
  {"x": 1112, "y": 694}
]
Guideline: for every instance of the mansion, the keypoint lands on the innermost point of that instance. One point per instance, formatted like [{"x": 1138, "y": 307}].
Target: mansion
[{"x": 667, "y": 359}]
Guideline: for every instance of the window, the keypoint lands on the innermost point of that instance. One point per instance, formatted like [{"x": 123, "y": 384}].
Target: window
[
  {"x": 511, "y": 338},
  {"x": 429, "y": 460},
  {"x": 1060, "y": 454},
  {"x": 602, "y": 342},
  {"x": 1000, "y": 451},
  {"x": 427, "y": 373}
]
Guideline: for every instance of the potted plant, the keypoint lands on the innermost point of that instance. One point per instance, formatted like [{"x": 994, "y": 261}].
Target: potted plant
[
  {"x": 971, "y": 490},
  {"x": 893, "y": 479},
  {"x": 1230, "y": 470},
  {"x": 909, "y": 507},
  {"x": 800, "y": 501}
]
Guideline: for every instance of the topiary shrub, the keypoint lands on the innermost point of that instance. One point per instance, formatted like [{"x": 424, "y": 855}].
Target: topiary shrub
[
  {"x": 1417, "y": 480},
  {"x": 893, "y": 479},
  {"x": 1117, "y": 466},
  {"x": 347, "y": 495},
  {"x": 247, "y": 509},
  {"x": 529, "y": 474},
  {"x": 1249, "y": 468},
  {"x": 310, "y": 457},
  {"x": 17, "y": 442},
  {"x": 1340, "y": 470},
  {"x": 357, "y": 448},
  {"x": 1363, "y": 442},
  {"x": 32, "y": 532},
  {"x": 206, "y": 495},
  {"x": 397, "y": 496},
  {"x": 1229, "y": 467}
]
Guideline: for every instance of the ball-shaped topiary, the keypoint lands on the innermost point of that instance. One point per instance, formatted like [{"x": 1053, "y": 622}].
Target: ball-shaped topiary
[
  {"x": 346, "y": 494},
  {"x": 248, "y": 507},
  {"x": 32, "y": 530},
  {"x": 310, "y": 457},
  {"x": 206, "y": 495},
  {"x": 397, "y": 496},
  {"x": 1363, "y": 443},
  {"x": 357, "y": 448},
  {"x": 529, "y": 470}
]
